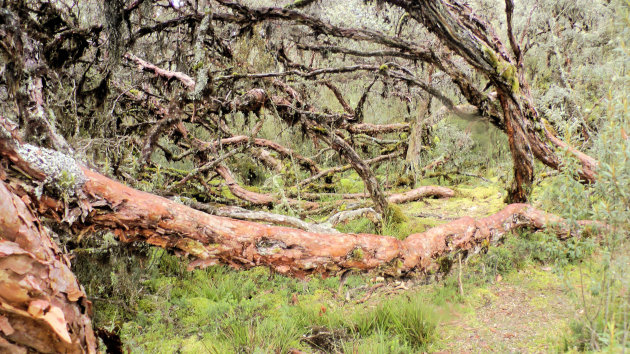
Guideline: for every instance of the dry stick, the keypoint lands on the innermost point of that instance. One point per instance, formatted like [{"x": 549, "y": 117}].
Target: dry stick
[
  {"x": 369, "y": 293},
  {"x": 282, "y": 150},
  {"x": 305, "y": 74},
  {"x": 459, "y": 275},
  {"x": 395, "y": 198},
  {"x": 339, "y": 96},
  {"x": 167, "y": 74},
  {"x": 210, "y": 165},
  {"x": 254, "y": 197},
  {"x": 261, "y": 216},
  {"x": 348, "y": 51},
  {"x": 376, "y": 129},
  {"x": 339, "y": 169}
]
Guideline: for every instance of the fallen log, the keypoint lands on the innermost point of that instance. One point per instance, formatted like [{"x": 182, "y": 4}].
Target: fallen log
[
  {"x": 394, "y": 198},
  {"x": 93, "y": 201},
  {"x": 348, "y": 215}
]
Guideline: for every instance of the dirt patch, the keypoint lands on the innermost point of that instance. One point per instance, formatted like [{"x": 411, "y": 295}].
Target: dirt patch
[{"x": 511, "y": 316}]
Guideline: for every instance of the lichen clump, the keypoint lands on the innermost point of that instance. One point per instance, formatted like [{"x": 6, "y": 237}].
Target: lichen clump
[{"x": 63, "y": 174}]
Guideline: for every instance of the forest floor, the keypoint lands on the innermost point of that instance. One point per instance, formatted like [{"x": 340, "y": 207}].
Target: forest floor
[
  {"x": 516, "y": 314},
  {"x": 515, "y": 299}
]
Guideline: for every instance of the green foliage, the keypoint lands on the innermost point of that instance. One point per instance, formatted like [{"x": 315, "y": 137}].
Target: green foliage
[
  {"x": 607, "y": 200},
  {"x": 412, "y": 321},
  {"x": 220, "y": 310}
]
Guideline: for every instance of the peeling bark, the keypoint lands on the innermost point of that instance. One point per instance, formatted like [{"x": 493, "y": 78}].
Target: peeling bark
[{"x": 42, "y": 306}]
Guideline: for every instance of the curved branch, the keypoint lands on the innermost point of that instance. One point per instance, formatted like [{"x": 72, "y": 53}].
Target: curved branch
[{"x": 282, "y": 150}]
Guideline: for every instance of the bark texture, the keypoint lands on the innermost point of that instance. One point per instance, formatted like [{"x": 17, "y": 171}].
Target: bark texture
[{"x": 42, "y": 306}]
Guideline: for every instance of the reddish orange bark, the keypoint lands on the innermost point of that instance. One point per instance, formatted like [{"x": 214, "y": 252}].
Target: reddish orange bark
[
  {"x": 136, "y": 215},
  {"x": 42, "y": 306}
]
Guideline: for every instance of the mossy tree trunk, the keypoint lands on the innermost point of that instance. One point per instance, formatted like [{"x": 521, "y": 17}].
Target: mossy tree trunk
[{"x": 474, "y": 39}]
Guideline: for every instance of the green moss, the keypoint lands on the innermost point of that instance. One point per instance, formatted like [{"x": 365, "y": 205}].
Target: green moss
[
  {"x": 491, "y": 56},
  {"x": 357, "y": 254},
  {"x": 192, "y": 247},
  {"x": 510, "y": 75},
  {"x": 319, "y": 129},
  {"x": 225, "y": 192},
  {"x": 197, "y": 66},
  {"x": 506, "y": 70},
  {"x": 445, "y": 264},
  {"x": 406, "y": 180},
  {"x": 395, "y": 215},
  {"x": 350, "y": 185}
]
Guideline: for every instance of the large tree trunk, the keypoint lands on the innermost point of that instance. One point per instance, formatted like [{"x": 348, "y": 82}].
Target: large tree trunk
[{"x": 42, "y": 306}]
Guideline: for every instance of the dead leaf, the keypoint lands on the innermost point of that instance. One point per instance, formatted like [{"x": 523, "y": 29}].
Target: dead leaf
[
  {"x": 498, "y": 278},
  {"x": 322, "y": 310}
]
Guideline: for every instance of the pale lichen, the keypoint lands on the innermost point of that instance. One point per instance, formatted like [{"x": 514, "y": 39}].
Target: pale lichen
[{"x": 63, "y": 173}]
